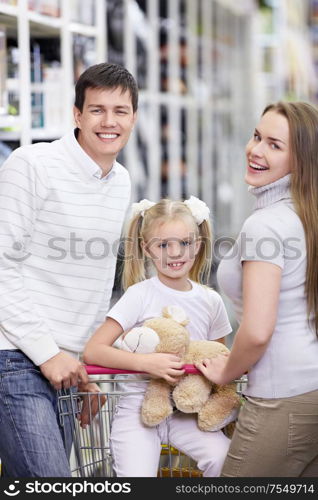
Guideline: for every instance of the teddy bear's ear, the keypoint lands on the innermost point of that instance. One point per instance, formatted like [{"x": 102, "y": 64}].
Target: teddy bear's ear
[{"x": 176, "y": 313}]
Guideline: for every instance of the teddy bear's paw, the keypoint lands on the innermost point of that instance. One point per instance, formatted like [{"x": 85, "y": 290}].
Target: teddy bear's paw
[
  {"x": 188, "y": 402},
  {"x": 192, "y": 392},
  {"x": 220, "y": 409},
  {"x": 188, "y": 407},
  {"x": 207, "y": 423},
  {"x": 153, "y": 415}
]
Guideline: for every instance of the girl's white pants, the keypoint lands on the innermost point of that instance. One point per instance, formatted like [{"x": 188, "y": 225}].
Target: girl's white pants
[{"x": 136, "y": 448}]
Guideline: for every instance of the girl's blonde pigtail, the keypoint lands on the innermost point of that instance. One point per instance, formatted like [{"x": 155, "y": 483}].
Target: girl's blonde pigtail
[
  {"x": 134, "y": 258},
  {"x": 201, "y": 269}
]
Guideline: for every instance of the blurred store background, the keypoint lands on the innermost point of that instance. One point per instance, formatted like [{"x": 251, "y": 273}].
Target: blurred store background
[{"x": 205, "y": 69}]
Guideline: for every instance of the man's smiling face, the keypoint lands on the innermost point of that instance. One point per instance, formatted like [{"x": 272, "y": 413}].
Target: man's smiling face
[{"x": 105, "y": 123}]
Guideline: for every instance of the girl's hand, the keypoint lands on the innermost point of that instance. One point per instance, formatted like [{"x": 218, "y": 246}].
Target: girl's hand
[
  {"x": 162, "y": 365},
  {"x": 214, "y": 369}
]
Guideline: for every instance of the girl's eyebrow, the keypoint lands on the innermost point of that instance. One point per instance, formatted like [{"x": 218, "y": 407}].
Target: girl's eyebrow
[
  {"x": 270, "y": 138},
  {"x": 174, "y": 238}
]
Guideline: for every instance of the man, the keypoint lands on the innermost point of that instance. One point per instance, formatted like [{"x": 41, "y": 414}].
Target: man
[{"x": 62, "y": 206}]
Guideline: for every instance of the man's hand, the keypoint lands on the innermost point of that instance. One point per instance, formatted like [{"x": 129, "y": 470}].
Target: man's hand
[
  {"x": 92, "y": 403},
  {"x": 63, "y": 371}
]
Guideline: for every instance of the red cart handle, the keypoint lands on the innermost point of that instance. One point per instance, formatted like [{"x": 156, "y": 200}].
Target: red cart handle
[{"x": 101, "y": 370}]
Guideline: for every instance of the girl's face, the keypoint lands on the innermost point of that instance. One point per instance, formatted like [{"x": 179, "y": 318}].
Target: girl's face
[
  {"x": 172, "y": 247},
  {"x": 267, "y": 152}
]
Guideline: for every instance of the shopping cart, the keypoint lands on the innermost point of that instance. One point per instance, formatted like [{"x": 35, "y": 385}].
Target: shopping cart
[{"x": 91, "y": 453}]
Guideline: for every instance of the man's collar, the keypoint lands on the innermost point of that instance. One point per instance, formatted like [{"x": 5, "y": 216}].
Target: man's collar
[
  {"x": 91, "y": 167},
  {"x": 98, "y": 172}
]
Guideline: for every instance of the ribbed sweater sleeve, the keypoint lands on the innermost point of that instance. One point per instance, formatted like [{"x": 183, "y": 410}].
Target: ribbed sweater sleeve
[{"x": 23, "y": 189}]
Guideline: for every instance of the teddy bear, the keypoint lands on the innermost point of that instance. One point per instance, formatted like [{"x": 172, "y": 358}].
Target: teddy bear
[{"x": 215, "y": 405}]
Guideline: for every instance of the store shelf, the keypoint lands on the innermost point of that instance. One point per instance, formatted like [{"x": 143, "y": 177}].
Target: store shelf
[
  {"x": 285, "y": 62},
  {"x": 39, "y": 86},
  {"x": 42, "y": 134},
  {"x": 10, "y": 136},
  {"x": 45, "y": 21},
  {"x": 83, "y": 29},
  {"x": 10, "y": 127},
  {"x": 9, "y": 10}
]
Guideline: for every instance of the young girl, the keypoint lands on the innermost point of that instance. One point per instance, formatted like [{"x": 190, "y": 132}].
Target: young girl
[{"x": 176, "y": 237}]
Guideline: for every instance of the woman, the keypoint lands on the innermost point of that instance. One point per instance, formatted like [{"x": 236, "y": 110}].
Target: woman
[{"x": 272, "y": 278}]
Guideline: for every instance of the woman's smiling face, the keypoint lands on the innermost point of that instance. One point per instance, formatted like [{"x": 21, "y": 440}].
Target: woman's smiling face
[{"x": 268, "y": 151}]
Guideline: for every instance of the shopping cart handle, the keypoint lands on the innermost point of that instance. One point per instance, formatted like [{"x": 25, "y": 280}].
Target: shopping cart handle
[{"x": 101, "y": 370}]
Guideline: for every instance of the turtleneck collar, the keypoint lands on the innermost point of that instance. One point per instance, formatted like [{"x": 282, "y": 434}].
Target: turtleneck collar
[{"x": 271, "y": 193}]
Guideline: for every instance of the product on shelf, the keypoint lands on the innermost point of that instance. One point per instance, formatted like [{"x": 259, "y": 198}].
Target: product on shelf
[{"x": 45, "y": 7}]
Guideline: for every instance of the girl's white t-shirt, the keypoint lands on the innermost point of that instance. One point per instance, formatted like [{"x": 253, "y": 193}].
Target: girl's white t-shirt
[{"x": 204, "y": 307}]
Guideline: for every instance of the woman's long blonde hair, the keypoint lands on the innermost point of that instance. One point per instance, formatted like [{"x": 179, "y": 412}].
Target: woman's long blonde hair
[
  {"x": 303, "y": 131},
  {"x": 140, "y": 229}
]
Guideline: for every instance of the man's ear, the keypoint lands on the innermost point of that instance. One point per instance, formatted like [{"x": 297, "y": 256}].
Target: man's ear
[
  {"x": 134, "y": 120},
  {"x": 77, "y": 116}
]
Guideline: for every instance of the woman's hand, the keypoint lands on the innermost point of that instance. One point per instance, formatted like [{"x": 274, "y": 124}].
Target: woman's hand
[
  {"x": 214, "y": 369},
  {"x": 162, "y": 365}
]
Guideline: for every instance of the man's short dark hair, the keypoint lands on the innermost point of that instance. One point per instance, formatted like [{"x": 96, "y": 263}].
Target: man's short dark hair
[{"x": 106, "y": 75}]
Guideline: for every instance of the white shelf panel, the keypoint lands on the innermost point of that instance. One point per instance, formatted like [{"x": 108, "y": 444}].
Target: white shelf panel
[
  {"x": 9, "y": 136},
  {"x": 45, "y": 134},
  {"x": 83, "y": 29},
  {"x": 44, "y": 86},
  {"x": 9, "y": 121},
  {"x": 45, "y": 21},
  {"x": 9, "y": 10},
  {"x": 12, "y": 84},
  {"x": 268, "y": 40}
]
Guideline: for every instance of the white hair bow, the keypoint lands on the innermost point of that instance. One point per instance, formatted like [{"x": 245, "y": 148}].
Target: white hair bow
[
  {"x": 199, "y": 210},
  {"x": 140, "y": 207}
]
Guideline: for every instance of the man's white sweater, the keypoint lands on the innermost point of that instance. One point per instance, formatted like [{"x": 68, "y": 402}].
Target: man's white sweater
[{"x": 60, "y": 225}]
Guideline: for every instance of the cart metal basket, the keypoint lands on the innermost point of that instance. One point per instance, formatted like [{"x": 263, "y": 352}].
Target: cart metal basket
[{"x": 91, "y": 454}]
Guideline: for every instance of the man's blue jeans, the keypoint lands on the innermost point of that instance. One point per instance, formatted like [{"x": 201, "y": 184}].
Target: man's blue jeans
[{"x": 31, "y": 439}]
